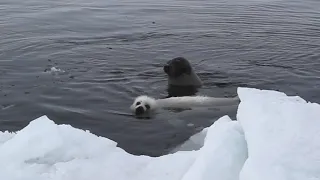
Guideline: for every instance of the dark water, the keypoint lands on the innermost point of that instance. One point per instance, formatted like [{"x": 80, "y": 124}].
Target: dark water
[{"x": 112, "y": 51}]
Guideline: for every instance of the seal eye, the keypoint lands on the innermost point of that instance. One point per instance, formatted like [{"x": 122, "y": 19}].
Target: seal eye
[
  {"x": 138, "y": 103},
  {"x": 147, "y": 106}
]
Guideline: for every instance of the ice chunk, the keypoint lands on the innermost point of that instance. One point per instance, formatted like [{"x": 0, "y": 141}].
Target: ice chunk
[
  {"x": 276, "y": 137},
  {"x": 195, "y": 142},
  {"x": 44, "y": 150},
  {"x": 54, "y": 70},
  {"x": 283, "y": 136},
  {"x": 5, "y": 136},
  {"x": 223, "y": 153}
]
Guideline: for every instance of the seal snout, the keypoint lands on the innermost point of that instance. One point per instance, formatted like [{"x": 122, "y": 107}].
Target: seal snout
[
  {"x": 166, "y": 68},
  {"x": 139, "y": 110}
]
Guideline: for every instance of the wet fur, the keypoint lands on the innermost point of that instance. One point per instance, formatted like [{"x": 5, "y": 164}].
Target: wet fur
[
  {"x": 184, "y": 102},
  {"x": 180, "y": 73}
]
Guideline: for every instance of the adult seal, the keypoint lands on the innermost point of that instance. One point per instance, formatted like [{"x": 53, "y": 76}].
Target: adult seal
[{"x": 182, "y": 80}]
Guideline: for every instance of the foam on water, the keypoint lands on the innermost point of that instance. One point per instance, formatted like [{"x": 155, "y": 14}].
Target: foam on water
[{"x": 54, "y": 70}]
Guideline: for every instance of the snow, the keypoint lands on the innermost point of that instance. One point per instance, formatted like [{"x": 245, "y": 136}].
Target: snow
[
  {"x": 195, "y": 142},
  {"x": 282, "y": 133},
  {"x": 224, "y": 156},
  {"x": 274, "y": 137},
  {"x": 45, "y": 150}
]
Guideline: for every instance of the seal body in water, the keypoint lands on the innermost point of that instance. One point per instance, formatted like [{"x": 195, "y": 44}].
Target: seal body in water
[{"x": 146, "y": 105}]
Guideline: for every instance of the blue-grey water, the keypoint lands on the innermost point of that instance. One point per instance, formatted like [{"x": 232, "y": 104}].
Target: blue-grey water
[{"x": 111, "y": 51}]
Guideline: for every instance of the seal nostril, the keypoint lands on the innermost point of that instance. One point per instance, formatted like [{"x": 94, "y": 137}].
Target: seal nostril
[{"x": 139, "y": 110}]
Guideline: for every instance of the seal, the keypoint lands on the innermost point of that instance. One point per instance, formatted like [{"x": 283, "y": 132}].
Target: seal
[
  {"x": 183, "y": 83},
  {"x": 146, "y": 105},
  {"x": 182, "y": 79},
  {"x": 181, "y": 73}
]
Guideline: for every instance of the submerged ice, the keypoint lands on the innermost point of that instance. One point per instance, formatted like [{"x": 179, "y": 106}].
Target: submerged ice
[{"x": 275, "y": 137}]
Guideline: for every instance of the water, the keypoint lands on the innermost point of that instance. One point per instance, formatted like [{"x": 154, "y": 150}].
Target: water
[{"x": 111, "y": 51}]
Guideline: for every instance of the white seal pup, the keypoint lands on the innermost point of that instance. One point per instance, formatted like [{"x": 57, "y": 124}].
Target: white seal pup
[{"x": 145, "y": 105}]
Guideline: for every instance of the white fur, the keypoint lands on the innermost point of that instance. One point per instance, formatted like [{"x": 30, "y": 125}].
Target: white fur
[
  {"x": 182, "y": 102},
  {"x": 144, "y": 100}
]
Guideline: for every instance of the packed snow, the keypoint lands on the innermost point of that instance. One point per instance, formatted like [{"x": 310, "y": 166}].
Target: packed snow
[
  {"x": 283, "y": 136},
  {"x": 274, "y": 137}
]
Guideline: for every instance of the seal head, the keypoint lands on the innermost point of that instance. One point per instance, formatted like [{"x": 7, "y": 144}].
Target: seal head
[{"x": 180, "y": 73}]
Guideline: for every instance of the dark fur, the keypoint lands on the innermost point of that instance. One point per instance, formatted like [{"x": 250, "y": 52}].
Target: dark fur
[
  {"x": 182, "y": 80},
  {"x": 176, "y": 67}
]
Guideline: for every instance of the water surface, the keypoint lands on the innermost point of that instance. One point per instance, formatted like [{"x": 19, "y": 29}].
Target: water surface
[{"x": 111, "y": 51}]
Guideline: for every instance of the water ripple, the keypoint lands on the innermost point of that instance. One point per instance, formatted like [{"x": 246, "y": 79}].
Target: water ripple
[{"x": 112, "y": 51}]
